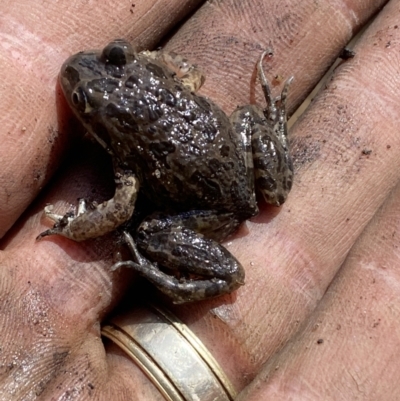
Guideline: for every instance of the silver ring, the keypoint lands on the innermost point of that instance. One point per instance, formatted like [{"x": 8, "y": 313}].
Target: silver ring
[{"x": 170, "y": 354}]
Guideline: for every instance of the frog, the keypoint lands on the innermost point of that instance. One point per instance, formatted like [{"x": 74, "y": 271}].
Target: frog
[{"x": 200, "y": 168}]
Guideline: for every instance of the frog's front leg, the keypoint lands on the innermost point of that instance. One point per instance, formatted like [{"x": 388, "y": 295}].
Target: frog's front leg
[
  {"x": 208, "y": 269},
  {"x": 97, "y": 219}
]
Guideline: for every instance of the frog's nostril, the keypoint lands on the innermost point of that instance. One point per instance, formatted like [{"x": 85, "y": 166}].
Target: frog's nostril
[{"x": 79, "y": 100}]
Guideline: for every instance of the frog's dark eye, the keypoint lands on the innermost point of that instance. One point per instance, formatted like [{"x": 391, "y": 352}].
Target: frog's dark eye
[
  {"x": 119, "y": 52},
  {"x": 79, "y": 100}
]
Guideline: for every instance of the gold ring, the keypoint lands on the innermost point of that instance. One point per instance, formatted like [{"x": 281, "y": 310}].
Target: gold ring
[{"x": 170, "y": 354}]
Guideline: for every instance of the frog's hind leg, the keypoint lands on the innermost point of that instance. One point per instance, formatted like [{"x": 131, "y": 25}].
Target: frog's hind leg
[
  {"x": 208, "y": 268},
  {"x": 263, "y": 135},
  {"x": 189, "y": 74},
  {"x": 272, "y": 161}
]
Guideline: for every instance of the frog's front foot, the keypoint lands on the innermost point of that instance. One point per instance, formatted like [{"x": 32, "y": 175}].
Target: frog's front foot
[
  {"x": 96, "y": 219},
  {"x": 221, "y": 273}
]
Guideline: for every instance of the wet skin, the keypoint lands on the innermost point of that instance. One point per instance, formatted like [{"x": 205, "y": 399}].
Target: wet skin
[{"x": 198, "y": 167}]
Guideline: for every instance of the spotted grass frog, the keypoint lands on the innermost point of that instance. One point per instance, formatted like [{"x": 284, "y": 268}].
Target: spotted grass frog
[{"x": 197, "y": 166}]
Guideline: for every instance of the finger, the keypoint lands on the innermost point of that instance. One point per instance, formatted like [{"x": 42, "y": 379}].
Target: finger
[
  {"x": 35, "y": 44},
  {"x": 350, "y": 345},
  {"x": 226, "y": 40}
]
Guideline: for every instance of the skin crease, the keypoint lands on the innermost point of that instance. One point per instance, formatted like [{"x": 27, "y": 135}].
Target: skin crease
[{"x": 53, "y": 294}]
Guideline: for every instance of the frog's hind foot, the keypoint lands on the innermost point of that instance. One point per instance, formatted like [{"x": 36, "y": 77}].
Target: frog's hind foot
[{"x": 190, "y": 75}]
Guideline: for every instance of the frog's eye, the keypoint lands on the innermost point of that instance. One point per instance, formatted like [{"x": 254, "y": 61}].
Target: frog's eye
[
  {"x": 118, "y": 52},
  {"x": 80, "y": 101}
]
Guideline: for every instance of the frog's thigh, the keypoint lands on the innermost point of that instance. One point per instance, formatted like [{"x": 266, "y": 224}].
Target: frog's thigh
[
  {"x": 98, "y": 219},
  {"x": 177, "y": 247},
  {"x": 185, "y": 290},
  {"x": 210, "y": 223},
  {"x": 189, "y": 74},
  {"x": 273, "y": 171}
]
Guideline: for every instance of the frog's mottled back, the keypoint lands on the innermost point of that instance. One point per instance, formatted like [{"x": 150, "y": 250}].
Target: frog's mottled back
[{"x": 180, "y": 145}]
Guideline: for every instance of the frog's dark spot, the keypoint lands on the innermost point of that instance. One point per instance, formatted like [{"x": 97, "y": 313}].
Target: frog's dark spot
[
  {"x": 209, "y": 188},
  {"x": 182, "y": 104},
  {"x": 142, "y": 237},
  {"x": 156, "y": 70},
  {"x": 210, "y": 131},
  {"x": 154, "y": 112},
  {"x": 112, "y": 110},
  {"x": 149, "y": 92},
  {"x": 72, "y": 75},
  {"x": 263, "y": 163},
  {"x": 165, "y": 125},
  {"x": 165, "y": 96},
  {"x": 194, "y": 150},
  {"x": 189, "y": 115},
  {"x": 103, "y": 85},
  {"x": 139, "y": 114},
  {"x": 228, "y": 165},
  {"x": 240, "y": 127},
  {"x": 179, "y": 251},
  {"x": 182, "y": 133},
  {"x": 90, "y": 67},
  {"x": 224, "y": 150},
  {"x": 162, "y": 149},
  {"x": 215, "y": 166},
  {"x": 140, "y": 111},
  {"x": 132, "y": 81},
  {"x": 258, "y": 121},
  {"x": 124, "y": 118},
  {"x": 287, "y": 184},
  {"x": 152, "y": 130},
  {"x": 266, "y": 183}
]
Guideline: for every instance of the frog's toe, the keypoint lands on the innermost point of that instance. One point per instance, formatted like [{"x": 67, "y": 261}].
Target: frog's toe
[
  {"x": 62, "y": 224},
  {"x": 46, "y": 233}
]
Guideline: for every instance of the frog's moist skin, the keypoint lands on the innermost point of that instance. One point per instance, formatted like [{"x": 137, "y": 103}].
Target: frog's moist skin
[{"x": 181, "y": 151}]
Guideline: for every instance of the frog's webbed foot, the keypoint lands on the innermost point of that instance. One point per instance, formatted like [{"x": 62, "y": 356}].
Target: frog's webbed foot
[
  {"x": 210, "y": 268},
  {"x": 97, "y": 219},
  {"x": 189, "y": 74}
]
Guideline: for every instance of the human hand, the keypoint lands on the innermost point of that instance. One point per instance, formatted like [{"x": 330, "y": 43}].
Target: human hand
[{"x": 55, "y": 293}]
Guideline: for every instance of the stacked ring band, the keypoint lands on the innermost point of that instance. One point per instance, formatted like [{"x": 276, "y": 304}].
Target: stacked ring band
[{"x": 170, "y": 354}]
